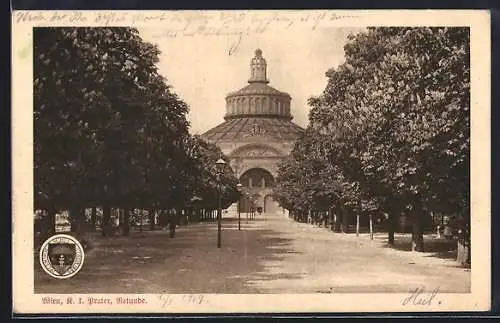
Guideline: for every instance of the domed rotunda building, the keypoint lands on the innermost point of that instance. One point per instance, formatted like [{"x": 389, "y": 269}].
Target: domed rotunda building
[{"x": 257, "y": 133}]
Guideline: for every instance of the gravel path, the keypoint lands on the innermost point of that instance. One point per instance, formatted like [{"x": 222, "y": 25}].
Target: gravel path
[{"x": 271, "y": 254}]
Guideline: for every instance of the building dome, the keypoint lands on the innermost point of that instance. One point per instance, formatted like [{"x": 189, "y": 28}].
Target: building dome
[
  {"x": 247, "y": 128},
  {"x": 256, "y": 110},
  {"x": 256, "y": 135},
  {"x": 258, "y": 99}
]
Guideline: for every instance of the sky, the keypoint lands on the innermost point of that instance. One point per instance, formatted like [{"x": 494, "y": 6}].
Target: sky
[{"x": 202, "y": 69}]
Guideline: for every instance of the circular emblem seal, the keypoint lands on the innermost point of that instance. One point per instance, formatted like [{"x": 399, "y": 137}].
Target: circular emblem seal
[{"x": 61, "y": 256}]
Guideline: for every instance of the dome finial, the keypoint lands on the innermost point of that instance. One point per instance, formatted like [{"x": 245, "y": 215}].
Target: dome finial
[{"x": 258, "y": 68}]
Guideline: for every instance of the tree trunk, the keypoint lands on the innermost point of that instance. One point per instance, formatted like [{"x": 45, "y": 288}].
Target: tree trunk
[
  {"x": 93, "y": 218},
  {"x": 141, "y": 218},
  {"x": 77, "y": 218},
  {"x": 336, "y": 218},
  {"x": 371, "y": 227},
  {"x": 172, "y": 223},
  {"x": 48, "y": 224},
  {"x": 357, "y": 225},
  {"x": 161, "y": 218},
  {"x": 463, "y": 244},
  {"x": 331, "y": 219},
  {"x": 152, "y": 218},
  {"x": 185, "y": 217},
  {"x": 345, "y": 220},
  {"x": 74, "y": 214},
  {"x": 417, "y": 243},
  {"x": 51, "y": 221},
  {"x": 181, "y": 217},
  {"x": 118, "y": 218},
  {"x": 463, "y": 253},
  {"x": 125, "y": 223},
  {"x": 106, "y": 221},
  {"x": 392, "y": 223}
]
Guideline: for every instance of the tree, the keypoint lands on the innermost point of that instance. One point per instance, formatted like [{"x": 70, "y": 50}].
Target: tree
[
  {"x": 107, "y": 126},
  {"x": 397, "y": 117},
  {"x": 205, "y": 179}
]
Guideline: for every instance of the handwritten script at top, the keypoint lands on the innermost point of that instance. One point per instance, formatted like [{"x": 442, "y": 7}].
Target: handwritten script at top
[{"x": 178, "y": 24}]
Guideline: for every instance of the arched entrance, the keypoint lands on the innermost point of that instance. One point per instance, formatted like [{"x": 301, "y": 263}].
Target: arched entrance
[{"x": 257, "y": 185}]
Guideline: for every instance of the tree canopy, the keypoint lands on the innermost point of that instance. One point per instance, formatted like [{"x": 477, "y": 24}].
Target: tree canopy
[
  {"x": 109, "y": 130},
  {"x": 391, "y": 129}
]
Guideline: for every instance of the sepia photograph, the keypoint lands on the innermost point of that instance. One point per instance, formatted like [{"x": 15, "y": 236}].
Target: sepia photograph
[{"x": 249, "y": 153}]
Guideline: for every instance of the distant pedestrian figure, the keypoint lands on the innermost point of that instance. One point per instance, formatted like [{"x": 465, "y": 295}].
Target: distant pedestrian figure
[
  {"x": 171, "y": 227},
  {"x": 172, "y": 223}
]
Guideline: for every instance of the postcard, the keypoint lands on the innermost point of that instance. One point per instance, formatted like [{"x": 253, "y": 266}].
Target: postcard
[{"x": 259, "y": 161}]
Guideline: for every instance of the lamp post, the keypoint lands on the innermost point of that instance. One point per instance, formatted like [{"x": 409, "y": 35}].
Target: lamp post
[
  {"x": 240, "y": 189},
  {"x": 249, "y": 201},
  {"x": 220, "y": 165}
]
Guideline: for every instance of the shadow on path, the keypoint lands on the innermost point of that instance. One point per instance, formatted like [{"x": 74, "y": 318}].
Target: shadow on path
[
  {"x": 152, "y": 262},
  {"x": 433, "y": 247}
]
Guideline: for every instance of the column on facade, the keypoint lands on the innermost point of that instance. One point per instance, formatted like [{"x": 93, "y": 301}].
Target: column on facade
[
  {"x": 246, "y": 104},
  {"x": 265, "y": 107}
]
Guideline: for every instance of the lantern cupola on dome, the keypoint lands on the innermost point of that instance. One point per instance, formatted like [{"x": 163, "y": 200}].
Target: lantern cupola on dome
[
  {"x": 258, "y": 98},
  {"x": 256, "y": 110},
  {"x": 258, "y": 68}
]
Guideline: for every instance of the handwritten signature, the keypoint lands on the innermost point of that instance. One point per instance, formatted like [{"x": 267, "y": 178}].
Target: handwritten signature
[{"x": 419, "y": 296}]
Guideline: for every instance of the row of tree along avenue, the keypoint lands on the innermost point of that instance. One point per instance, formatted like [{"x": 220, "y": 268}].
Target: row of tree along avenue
[
  {"x": 111, "y": 134},
  {"x": 389, "y": 136}
]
